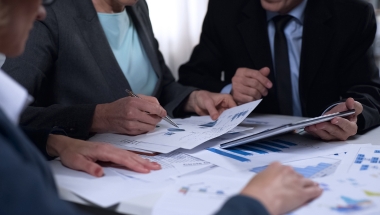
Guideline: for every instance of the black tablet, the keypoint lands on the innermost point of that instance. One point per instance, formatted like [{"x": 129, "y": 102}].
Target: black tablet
[{"x": 286, "y": 128}]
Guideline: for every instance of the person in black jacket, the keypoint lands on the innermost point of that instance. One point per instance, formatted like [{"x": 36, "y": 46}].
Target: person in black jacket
[
  {"x": 303, "y": 57},
  {"x": 27, "y": 185},
  {"x": 77, "y": 69}
]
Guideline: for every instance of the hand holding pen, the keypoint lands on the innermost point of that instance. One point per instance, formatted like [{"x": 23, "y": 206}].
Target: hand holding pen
[
  {"x": 166, "y": 118},
  {"x": 128, "y": 115}
]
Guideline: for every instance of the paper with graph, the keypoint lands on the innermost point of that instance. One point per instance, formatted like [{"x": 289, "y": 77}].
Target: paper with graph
[
  {"x": 258, "y": 154},
  {"x": 192, "y": 132},
  {"x": 201, "y": 195},
  {"x": 352, "y": 194},
  {"x": 363, "y": 158}
]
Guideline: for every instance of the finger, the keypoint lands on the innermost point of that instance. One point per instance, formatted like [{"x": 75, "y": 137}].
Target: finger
[
  {"x": 311, "y": 192},
  {"x": 137, "y": 127},
  {"x": 80, "y": 163},
  {"x": 151, "y": 99},
  {"x": 307, "y": 182},
  {"x": 147, "y": 163},
  {"x": 146, "y": 106},
  {"x": 241, "y": 98},
  {"x": 211, "y": 109},
  {"x": 348, "y": 127},
  {"x": 321, "y": 133},
  {"x": 260, "y": 77},
  {"x": 106, "y": 152},
  {"x": 333, "y": 130},
  {"x": 253, "y": 88}
]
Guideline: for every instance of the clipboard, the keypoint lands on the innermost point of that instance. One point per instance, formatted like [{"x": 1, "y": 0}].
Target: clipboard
[{"x": 286, "y": 128}]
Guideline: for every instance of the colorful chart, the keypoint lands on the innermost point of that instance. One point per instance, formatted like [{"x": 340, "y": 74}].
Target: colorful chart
[
  {"x": 310, "y": 168},
  {"x": 352, "y": 205}
]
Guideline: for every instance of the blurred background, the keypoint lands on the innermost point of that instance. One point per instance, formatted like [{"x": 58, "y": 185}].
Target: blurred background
[{"x": 177, "y": 26}]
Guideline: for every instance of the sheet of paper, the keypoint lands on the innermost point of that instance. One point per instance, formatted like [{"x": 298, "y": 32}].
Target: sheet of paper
[
  {"x": 190, "y": 134},
  {"x": 317, "y": 167},
  {"x": 283, "y": 149},
  {"x": 104, "y": 191},
  {"x": 360, "y": 159},
  {"x": 199, "y": 195},
  {"x": 173, "y": 164},
  {"x": 352, "y": 194}
]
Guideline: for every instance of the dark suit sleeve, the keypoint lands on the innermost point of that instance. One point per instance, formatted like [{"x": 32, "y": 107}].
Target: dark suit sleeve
[
  {"x": 242, "y": 205},
  {"x": 33, "y": 70},
  {"x": 23, "y": 190},
  {"x": 204, "y": 68},
  {"x": 359, "y": 74}
]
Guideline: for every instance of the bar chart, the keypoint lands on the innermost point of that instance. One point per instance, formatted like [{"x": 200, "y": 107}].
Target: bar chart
[
  {"x": 366, "y": 159},
  {"x": 258, "y": 154},
  {"x": 310, "y": 168}
]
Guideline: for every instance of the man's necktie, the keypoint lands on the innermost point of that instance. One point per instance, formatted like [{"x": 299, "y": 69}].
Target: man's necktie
[{"x": 282, "y": 66}]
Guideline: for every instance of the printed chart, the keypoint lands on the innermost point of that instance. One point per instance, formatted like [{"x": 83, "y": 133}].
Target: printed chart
[
  {"x": 310, "y": 168},
  {"x": 362, "y": 160},
  {"x": 262, "y": 153}
]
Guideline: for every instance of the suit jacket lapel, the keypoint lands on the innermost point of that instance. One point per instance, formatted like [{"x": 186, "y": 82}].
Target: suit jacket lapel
[
  {"x": 147, "y": 39},
  {"x": 254, "y": 31},
  {"x": 315, "y": 41},
  {"x": 92, "y": 31}
]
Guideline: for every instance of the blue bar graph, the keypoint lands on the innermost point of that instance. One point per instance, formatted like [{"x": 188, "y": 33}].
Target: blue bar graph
[
  {"x": 359, "y": 158},
  {"x": 284, "y": 142},
  {"x": 364, "y": 167},
  {"x": 235, "y": 157},
  {"x": 249, "y": 148},
  {"x": 274, "y": 144},
  {"x": 265, "y": 147},
  {"x": 377, "y": 151},
  {"x": 374, "y": 160},
  {"x": 307, "y": 172},
  {"x": 238, "y": 151}
]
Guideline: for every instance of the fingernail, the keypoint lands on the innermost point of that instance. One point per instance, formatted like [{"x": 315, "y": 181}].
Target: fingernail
[{"x": 269, "y": 85}]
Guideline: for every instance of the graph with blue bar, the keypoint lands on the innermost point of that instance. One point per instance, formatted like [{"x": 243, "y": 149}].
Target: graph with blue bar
[
  {"x": 310, "y": 168},
  {"x": 243, "y": 153},
  {"x": 367, "y": 159}
]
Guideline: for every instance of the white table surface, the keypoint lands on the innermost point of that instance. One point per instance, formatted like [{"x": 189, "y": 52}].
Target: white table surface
[{"x": 143, "y": 205}]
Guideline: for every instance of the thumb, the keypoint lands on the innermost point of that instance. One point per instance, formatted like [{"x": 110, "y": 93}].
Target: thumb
[
  {"x": 350, "y": 103},
  {"x": 265, "y": 71}
]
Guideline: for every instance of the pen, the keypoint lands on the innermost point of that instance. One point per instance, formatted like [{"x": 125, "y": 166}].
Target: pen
[{"x": 166, "y": 118}]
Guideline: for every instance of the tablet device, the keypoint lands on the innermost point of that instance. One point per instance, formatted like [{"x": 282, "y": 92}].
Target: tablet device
[{"x": 286, "y": 128}]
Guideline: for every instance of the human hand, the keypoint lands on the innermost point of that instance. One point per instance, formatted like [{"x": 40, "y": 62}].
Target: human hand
[
  {"x": 281, "y": 190},
  {"x": 82, "y": 155},
  {"x": 128, "y": 115},
  {"x": 338, "y": 128},
  {"x": 207, "y": 103},
  {"x": 250, "y": 85}
]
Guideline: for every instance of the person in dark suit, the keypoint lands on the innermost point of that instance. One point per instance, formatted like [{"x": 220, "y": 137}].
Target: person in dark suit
[
  {"x": 77, "y": 69},
  {"x": 27, "y": 185},
  {"x": 303, "y": 57}
]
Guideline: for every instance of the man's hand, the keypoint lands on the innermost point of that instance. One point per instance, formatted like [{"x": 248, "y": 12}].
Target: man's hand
[
  {"x": 250, "y": 85},
  {"x": 281, "y": 190},
  {"x": 128, "y": 115},
  {"x": 207, "y": 103},
  {"x": 82, "y": 155},
  {"x": 338, "y": 128}
]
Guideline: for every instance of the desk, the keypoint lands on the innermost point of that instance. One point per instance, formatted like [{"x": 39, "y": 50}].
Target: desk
[{"x": 143, "y": 205}]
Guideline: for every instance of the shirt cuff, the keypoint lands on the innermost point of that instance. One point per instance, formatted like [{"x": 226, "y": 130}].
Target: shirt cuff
[{"x": 227, "y": 89}]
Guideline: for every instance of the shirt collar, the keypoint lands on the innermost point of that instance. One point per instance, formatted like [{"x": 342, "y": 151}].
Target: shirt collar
[
  {"x": 297, "y": 12},
  {"x": 13, "y": 97}
]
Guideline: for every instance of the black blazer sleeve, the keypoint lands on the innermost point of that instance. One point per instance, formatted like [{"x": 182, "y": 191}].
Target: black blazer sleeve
[
  {"x": 242, "y": 205},
  {"x": 33, "y": 70}
]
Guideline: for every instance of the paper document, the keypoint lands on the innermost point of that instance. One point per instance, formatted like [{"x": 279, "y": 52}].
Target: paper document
[
  {"x": 361, "y": 159},
  {"x": 354, "y": 194},
  {"x": 172, "y": 164},
  {"x": 165, "y": 138},
  {"x": 283, "y": 149},
  {"x": 201, "y": 195}
]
